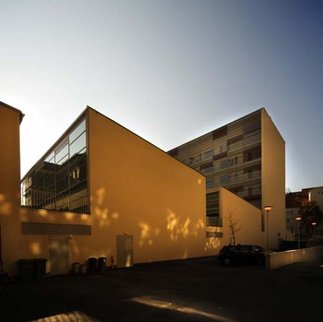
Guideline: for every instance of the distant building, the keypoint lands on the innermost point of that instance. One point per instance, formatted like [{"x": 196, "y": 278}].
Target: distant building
[
  {"x": 294, "y": 202},
  {"x": 247, "y": 158}
]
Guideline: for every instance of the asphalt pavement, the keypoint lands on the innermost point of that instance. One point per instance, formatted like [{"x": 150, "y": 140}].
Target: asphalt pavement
[{"x": 187, "y": 290}]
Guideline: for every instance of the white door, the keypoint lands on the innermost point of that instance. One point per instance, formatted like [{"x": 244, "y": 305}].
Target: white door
[
  {"x": 124, "y": 250},
  {"x": 59, "y": 255}
]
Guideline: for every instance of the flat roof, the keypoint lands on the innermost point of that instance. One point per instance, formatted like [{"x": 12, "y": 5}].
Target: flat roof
[{"x": 13, "y": 109}]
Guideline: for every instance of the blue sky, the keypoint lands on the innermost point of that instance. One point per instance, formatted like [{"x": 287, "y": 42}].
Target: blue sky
[{"x": 167, "y": 70}]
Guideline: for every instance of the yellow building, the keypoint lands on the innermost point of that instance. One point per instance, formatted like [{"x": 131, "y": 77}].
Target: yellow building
[
  {"x": 100, "y": 190},
  {"x": 244, "y": 165}
]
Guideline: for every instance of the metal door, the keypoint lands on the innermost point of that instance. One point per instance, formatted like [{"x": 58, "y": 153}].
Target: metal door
[
  {"x": 124, "y": 250},
  {"x": 59, "y": 255}
]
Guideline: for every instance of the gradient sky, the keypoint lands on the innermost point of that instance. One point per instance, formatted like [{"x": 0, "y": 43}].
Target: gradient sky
[{"x": 167, "y": 70}]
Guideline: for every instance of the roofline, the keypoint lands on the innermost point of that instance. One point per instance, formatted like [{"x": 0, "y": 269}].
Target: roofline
[
  {"x": 273, "y": 123},
  {"x": 13, "y": 109},
  {"x": 55, "y": 143},
  {"x": 133, "y": 133},
  {"x": 210, "y": 132},
  {"x": 138, "y": 136}
]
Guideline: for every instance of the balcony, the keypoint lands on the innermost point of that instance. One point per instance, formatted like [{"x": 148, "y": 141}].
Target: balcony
[{"x": 215, "y": 221}]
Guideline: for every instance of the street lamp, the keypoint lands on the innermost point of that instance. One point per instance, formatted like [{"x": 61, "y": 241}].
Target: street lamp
[
  {"x": 298, "y": 221},
  {"x": 267, "y": 209},
  {"x": 314, "y": 226}
]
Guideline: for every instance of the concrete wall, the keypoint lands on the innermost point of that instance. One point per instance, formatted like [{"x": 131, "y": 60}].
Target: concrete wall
[
  {"x": 273, "y": 178},
  {"x": 313, "y": 255}
]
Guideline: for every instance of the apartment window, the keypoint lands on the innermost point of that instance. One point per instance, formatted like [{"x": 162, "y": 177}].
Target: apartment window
[
  {"x": 235, "y": 142},
  {"x": 220, "y": 156},
  {"x": 225, "y": 179},
  {"x": 252, "y": 127},
  {"x": 209, "y": 182},
  {"x": 236, "y": 189},
  {"x": 252, "y": 154},
  {"x": 207, "y": 155},
  {"x": 225, "y": 163},
  {"x": 219, "y": 133},
  {"x": 212, "y": 204},
  {"x": 229, "y": 163},
  {"x": 207, "y": 168}
]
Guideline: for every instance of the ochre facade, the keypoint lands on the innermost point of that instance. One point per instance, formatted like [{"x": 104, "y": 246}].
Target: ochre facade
[
  {"x": 133, "y": 202},
  {"x": 135, "y": 189}
]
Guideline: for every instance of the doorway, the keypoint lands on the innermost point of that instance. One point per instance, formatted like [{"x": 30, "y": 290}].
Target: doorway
[
  {"x": 59, "y": 255},
  {"x": 124, "y": 250}
]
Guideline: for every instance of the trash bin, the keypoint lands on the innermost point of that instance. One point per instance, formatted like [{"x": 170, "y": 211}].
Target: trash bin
[
  {"x": 25, "y": 269},
  {"x": 102, "y": 264},
  {"x": 91, "y": 265},
  {"x": 39, "y": 268},
  {"x": 76, "y": 268}
]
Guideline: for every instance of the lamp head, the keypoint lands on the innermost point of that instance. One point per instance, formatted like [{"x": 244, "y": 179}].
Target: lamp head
[{"x": 268, "y": 208}]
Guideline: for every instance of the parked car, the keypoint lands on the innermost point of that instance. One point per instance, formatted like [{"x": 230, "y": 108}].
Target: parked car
[{"x": 242, "y": 254}]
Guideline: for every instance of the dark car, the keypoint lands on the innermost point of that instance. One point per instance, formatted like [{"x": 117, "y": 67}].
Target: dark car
[{"x": 242, "y": 254}]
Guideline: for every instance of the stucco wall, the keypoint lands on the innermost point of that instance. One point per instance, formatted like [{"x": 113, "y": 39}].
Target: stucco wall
[
  {"x": 9, "y": 182},
  {"x": 273, "y": 178},
  {"x": 140, "y": 190},
  {"x": 245, "y": 217},
  {"x": 135, "y": 188}
]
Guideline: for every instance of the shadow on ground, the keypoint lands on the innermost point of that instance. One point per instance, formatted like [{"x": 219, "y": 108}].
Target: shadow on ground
[{"x": 187, "y": 290}]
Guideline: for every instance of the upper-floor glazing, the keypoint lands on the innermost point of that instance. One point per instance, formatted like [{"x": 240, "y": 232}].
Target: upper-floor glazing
[{"x": 59, "y": 181}]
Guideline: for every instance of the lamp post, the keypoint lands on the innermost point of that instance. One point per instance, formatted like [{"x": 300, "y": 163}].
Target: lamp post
[
  {"x": 314, "y": 232},
  {"x": 298, "y": 221},
  {"x": 268, "y": 209}
]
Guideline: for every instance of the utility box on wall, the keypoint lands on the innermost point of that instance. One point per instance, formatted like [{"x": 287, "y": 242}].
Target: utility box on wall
[{"x": 125, "y": 250}]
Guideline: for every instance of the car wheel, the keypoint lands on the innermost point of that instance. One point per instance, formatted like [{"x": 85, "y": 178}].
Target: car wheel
[{"x": 227, "y": 261}]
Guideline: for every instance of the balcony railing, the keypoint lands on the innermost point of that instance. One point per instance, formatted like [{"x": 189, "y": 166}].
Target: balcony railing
[{"x": 214, "y": 221}]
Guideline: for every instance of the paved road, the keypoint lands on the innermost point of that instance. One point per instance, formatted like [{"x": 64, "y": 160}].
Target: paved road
[{"x": 190, "y": 290}]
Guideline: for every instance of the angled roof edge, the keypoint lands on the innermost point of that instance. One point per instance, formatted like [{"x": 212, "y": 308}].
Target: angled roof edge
[
  {"x": 13, "y": 109},
  {"x": 83, "y": 113},
  {"x": 138, "y": 136},
  {"x": 210, "y": 132},
  {"x": 54, "y": 144},
  {"x": 273, "y": 123},
  {"x": 260, "y": 110}
]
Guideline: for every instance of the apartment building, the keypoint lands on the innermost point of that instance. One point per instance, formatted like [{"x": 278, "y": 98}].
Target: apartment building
[{"x": 247, "y": 158}]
